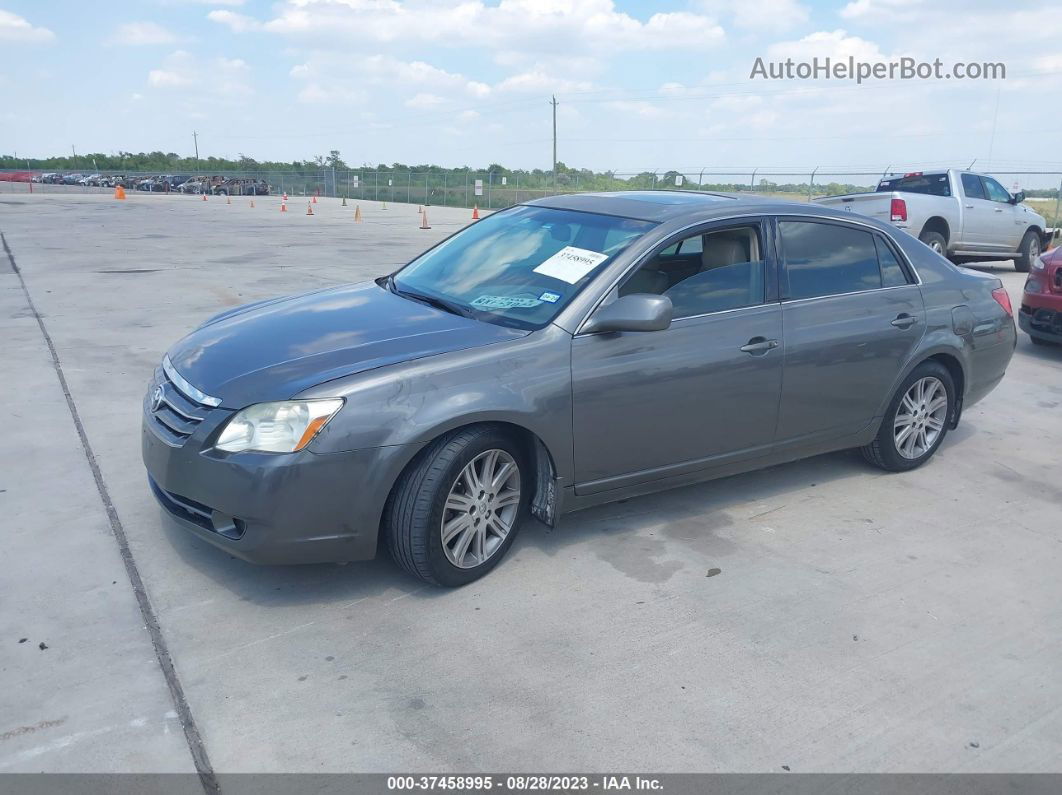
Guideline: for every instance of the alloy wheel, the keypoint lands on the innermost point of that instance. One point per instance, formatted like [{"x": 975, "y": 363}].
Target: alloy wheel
[
  {"x": 920, "y": 417},
  {"x": 481, "y": 509}
]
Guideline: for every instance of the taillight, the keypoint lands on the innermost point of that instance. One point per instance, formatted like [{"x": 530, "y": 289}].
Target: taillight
[
  {"x": 898, "y": 210},
  {"x": 1003, "y": 299}
]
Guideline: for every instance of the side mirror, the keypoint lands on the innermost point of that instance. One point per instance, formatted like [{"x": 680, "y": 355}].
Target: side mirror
[
  {"x": 635, "y": 312},
  {"x": 1019, "y": 197}
]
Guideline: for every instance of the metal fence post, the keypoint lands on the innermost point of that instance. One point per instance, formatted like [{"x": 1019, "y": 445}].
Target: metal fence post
[
  {"x": 811, "y": 182},
  {"x": 1058, "y": 197},
  {"x": 490, "y": 182}
]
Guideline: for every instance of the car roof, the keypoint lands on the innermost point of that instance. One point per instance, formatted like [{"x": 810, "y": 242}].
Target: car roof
[{"x": 672, "y": 205}]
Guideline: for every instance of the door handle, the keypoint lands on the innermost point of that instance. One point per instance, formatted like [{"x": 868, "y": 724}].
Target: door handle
[
  {"x": 759, "y": 345},
  {"x": 999, "y": 209},
  {"x": 968, "y": 206},
  {"x": 904, "y": 320}
]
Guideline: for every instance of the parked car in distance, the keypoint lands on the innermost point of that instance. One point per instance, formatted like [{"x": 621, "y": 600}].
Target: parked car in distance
[
  {"x": 960, "y": 214},
  {"x": 91, "y": 180},
  {"x": 571, "y": 351},
  {"x": 41, "y": 177},
  {"x": 71, "y": 179},
  {"x": 1041, "y": 303}
]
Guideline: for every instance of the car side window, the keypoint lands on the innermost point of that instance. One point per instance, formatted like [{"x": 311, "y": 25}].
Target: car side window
[
  {"x": 706, "y": 272},
  {"x": 828, "y": 259},
  {"x": 892, "y": 272},
  {"x": 971, "y": 186},
  {"x": 996, "y": 192}
]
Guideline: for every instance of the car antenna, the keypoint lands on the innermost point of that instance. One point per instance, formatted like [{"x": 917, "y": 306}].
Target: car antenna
[{"x": 970, "y": 167}]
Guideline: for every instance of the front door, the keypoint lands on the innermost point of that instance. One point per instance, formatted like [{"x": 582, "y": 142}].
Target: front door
[{"x": 701, "y": 393}]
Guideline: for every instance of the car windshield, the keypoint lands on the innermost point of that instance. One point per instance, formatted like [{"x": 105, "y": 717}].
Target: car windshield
[{"x": 518, "y": 267}]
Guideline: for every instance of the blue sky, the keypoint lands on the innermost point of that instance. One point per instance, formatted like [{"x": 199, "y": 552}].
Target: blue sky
[{"x": 641, "y": 85}]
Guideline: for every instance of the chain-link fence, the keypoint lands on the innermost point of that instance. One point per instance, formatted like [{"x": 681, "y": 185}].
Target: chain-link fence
[{"x": 498, "y": 189}]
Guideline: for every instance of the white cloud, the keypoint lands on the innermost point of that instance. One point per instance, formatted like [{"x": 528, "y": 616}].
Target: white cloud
[
  {"x": 209, "y": 78},
  {"x": 836, "y": 44},
  {"x": 762, "y": 15},
  {"x": 556, "y": 26},
  {"x": 639, "y": 108},
  {"x": 538, "y": 81},
  {"x": 425, "y": 100},
  {"x": 238, "y": 23},
  {"x": 15, "y": 28},
  {"x": 135, "y": 34},
  {"x": 876, "y": 8}
]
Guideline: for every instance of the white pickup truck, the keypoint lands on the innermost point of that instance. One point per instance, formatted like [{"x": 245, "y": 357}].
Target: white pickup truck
[{"x": 959, "y": 214}]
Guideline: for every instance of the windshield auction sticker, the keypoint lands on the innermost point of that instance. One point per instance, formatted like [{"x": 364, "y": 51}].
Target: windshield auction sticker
[
  {"x": 570, "y": 264},
  {"x": 505, "y": 302}
]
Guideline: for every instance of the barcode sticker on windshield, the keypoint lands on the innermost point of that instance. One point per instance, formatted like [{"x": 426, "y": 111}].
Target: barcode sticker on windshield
[
  {"x": 570, "y": 264},
  {"x": 505, "y": 302}
]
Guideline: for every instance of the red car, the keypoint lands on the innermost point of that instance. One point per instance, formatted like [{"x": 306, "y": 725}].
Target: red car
[{"x": 1041, "y": 304}]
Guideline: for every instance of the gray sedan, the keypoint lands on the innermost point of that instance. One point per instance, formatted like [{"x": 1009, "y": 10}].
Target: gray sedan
[{"x": 557, "y": 355}]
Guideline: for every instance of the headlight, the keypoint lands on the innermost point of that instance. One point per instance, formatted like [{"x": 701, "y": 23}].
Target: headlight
[
  {"x": 283, "y": 427},
  {"x": 1038, "y": 264}
]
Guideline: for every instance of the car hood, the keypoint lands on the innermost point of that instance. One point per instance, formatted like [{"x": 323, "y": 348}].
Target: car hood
[{"x": 273, "y": 350}]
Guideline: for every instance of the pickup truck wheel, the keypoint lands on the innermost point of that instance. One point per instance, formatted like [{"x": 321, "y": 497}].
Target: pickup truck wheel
[
  {"x": 455, "y": 511},
  {"x": 1030, "y": 250},
  {"x": 935, "y": 241},
  {"x": 916, "y": 420}
]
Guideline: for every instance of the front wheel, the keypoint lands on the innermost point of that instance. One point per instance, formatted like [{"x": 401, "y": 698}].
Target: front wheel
[
  {"x": 456, "y": 509},
  {"x": 916, "y": 420},
  {"x": 1029, "y": 251}
]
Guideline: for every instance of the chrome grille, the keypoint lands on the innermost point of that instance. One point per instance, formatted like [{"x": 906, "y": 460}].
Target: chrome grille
[{"x": 175, "y": 414}]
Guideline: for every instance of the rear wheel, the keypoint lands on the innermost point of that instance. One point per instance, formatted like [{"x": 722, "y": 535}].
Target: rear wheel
[
  {"x": 935, "y": 241},
  {"x": 456, "y": 509},
  {"x": 916, "y": 420},
  {"x": 1030, "y": 250}
]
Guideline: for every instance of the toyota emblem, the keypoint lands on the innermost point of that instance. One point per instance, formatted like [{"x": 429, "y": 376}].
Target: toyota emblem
[{"x": 156, "y": 398}]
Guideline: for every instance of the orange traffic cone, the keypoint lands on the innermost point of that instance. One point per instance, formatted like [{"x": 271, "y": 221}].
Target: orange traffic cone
[
  {"x": 285, "y": 195},
  {"x": 309, "y": 208},
  {"x": 424, "y": 220},
  {"x": 252, "y": 202},
  {"x": 204, "y": 197},
  {"x": 357, "y": 214},
  {"x": 315, "y": 198},
  {"x": 119, "y": 192},
  {"x": 284, "y": 206},
  {"x": 475, "y": 212}
]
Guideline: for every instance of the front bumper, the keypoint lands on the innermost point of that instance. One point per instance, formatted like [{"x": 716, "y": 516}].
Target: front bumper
[{"x": 274, "y": 509}]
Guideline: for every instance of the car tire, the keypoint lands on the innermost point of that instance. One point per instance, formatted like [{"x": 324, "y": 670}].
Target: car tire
[
  {"x": 895, "y": 452},
  {"x": 1030, "y": 250},
  {"x": 420, "y": 507},
  {"x": 935, "y": 241},
  {"x": 1040, "y": 340}
]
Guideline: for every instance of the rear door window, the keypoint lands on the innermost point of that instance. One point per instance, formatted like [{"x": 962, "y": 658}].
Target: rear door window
[
  {"x": 971, "y": 186},
  {"x": 828, "y": 259}
]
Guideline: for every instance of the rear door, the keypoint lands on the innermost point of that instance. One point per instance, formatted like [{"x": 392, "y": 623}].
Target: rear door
[{"x": 852, "y": 314}]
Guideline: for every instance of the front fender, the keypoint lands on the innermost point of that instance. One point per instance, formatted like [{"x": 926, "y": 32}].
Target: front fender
[{"x": 524, "y": 382}]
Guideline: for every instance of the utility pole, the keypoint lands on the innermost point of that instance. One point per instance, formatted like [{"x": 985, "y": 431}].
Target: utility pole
[
  {"x": 553, "y": 102},
  {"x": 74, "y": 153},
  {"x": 195, "y": 139}
]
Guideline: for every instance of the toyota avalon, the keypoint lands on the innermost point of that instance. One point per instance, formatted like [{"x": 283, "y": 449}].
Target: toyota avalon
[{"x": 559, "y": 354}]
